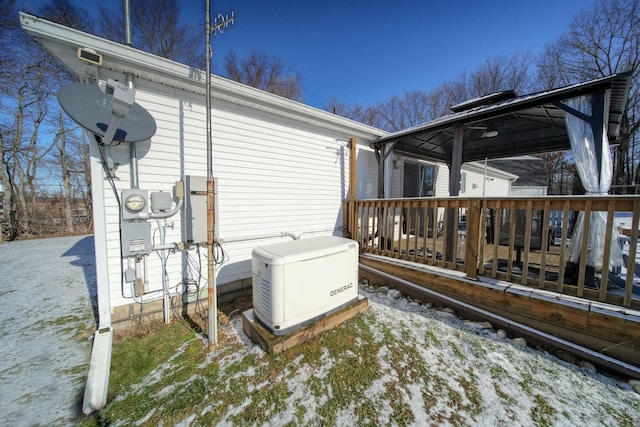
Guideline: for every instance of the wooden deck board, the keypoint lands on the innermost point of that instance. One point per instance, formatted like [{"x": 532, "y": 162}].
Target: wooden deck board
[
  {"x": 614, "y": 332},
  {"x": 273, "y": 344}
]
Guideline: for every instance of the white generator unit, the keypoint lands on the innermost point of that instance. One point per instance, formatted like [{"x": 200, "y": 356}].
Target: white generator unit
[{"x": 298, "y": 282}]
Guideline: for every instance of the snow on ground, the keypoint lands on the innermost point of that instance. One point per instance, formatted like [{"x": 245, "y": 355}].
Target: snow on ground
[
  {"x": 510, "y": 380},
  {"x": 445, "y": 370},
  {"x": 46, "y": 292},
  {"x": 436, "y": 363}
]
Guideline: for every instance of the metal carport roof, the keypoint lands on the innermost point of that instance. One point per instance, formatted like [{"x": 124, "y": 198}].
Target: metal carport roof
[{"x": 525, "y": 125}]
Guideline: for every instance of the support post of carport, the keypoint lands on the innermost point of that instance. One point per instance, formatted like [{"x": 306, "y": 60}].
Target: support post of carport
[
  {"x": 597, "y": 126},
  {"x": 455, "y": 166},
  {"x": 352, "y": 217}
]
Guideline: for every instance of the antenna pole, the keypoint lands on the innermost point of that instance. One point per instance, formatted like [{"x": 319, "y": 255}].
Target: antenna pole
[
  {"x": 133, "y": 149},
  {"x": 221, "y": 22},
  {"x": 212, "y": 329}
]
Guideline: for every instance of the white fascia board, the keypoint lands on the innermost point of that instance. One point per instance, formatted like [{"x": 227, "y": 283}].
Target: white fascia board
[
  {"x": 170, "y": 77},
  {"x": 493, "y": 172}
]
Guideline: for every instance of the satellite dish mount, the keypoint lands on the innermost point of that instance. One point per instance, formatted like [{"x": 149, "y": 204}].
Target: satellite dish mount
[
  {"x": 113, "y": 116},
  {"x": 122, "y": 101}
]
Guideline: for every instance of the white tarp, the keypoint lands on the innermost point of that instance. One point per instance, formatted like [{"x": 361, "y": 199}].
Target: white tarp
[{"x": 596, "y": 180}]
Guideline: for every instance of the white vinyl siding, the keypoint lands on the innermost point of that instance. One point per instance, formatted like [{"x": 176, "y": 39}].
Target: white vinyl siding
[
  {"x": 528, "y": 191},
  {"x": 367, "y": 173},
  {"x": 463, "y": 182},
  {"x": 493, "y": 186},
  {"x": 273, "y": 175},
  {"x": 497, "y": 183}
]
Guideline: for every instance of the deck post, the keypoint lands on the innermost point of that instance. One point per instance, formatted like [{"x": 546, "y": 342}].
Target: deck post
[
  {"x": 351, "y": 211},
  {"x": 472, "y": 240},
  {"x": 454, "y": 188}
]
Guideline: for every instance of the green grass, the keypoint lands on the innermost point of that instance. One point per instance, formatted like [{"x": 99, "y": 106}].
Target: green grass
[
  {"x": 187, "y": 384},
  {"x": 367, "y": 372},
  {"x": 77, "y": 323},
  {"x": 542, "y": 414}
]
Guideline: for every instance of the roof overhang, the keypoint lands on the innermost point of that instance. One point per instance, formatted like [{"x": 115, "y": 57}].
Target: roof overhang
[
  {"x": 525, "y": 125},
  {"x": 161, "y": 75}
]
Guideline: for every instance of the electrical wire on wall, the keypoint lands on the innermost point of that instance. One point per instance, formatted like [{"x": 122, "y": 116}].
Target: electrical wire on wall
[
  {"x": 105, "y": 166},
  {"x": 112, "y": 184},
  {"x": 164, "y": 254},
  {"x": 219, "y": 254},
  {"x": 191, "y": 285}
]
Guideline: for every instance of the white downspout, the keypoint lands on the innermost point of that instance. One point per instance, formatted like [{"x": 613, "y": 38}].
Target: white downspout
[{"x": 95, "y": 393}]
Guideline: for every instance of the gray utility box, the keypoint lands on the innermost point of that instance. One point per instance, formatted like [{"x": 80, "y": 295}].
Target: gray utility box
[
  {"x": 135, "y": 238},
  {"x": 161, "y": 201},
  {"x": 195, "y": 209}
]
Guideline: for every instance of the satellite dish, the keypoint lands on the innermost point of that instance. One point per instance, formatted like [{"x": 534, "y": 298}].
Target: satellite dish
[{"x": 92, "y": 109}]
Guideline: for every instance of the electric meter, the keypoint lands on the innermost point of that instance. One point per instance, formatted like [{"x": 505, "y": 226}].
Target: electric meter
[{"x": 134, "y": 203}]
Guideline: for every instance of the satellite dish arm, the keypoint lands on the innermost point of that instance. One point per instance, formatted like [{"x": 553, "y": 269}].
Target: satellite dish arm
[{"x": 123, "y": 100}]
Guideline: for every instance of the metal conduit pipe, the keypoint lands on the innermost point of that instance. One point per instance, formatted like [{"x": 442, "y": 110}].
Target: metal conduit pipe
[
  {"x": 162, "y": 215},
  {"x": 258, "y": 237},
  {"x": 587, "y": 354},
  {"x": 275, "y": 235},
  {"x": 133, "y": 149},
  {"x": 320, "y": 231},
  {"x": 169, "y": 246},
  {"x": 146, "y": 272}
]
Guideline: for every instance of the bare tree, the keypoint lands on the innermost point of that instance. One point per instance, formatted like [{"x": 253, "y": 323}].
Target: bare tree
[
  {"x": 8, "y": 24},
  {"x": 505, "y": 72},
  {"x": 399, "y": 112},
  {"x": 64, "y": 156},
  {"x": 65, "y": 13},
  {"x": 601, "y": 41},
  {"x": 369, "y": 115},
  {"x": 21, "y": 152},
  {"x": 412, "y": 108},
  {"x": 560, "y": 172},
  {"x": 21, "y": 116},
  {"x": 264, "y": 72},
  {"x": 407, "y": 110},
  {"x": 28, "y": 82},
  {"x": 156, "y": 29}
]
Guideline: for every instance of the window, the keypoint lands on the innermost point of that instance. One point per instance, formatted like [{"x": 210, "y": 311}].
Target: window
[
  {"x": 463, "y": 182},
  {"x": 419, "y": 179}
]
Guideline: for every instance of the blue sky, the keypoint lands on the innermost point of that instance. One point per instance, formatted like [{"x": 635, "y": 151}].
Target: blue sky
[{"x": 365, "y": 51}]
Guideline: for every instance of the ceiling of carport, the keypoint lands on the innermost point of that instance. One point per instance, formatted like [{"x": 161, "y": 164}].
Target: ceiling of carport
[{"x": 526, "y": 124}]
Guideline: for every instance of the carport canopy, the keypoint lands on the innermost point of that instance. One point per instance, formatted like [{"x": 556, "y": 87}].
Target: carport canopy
[{"x": 504, "y": 125}]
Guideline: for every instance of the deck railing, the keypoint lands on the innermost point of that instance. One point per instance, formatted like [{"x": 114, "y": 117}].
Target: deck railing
[{"x": 519, "y": 240}]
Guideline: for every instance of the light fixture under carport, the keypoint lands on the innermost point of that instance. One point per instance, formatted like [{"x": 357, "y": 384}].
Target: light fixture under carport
[{"x": 489, "y": 133}]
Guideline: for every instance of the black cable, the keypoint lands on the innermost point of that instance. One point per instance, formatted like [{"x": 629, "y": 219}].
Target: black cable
[
  {"x": 115, "y": 193},
  {"x": 108, "y": 173},
  {"x": 199, "y": 305},
  {"x": 219, "y": 254}
]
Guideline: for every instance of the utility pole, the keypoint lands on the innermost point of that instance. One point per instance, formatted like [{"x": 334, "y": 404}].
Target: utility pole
[{"x": 220, "y": 24}]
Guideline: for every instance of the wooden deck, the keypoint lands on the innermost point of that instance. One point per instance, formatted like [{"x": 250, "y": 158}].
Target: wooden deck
[
  {"x": 504, "y": 256},
  {"x": 508, "y": 239},
  {"x": 601, "y": 327}
]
